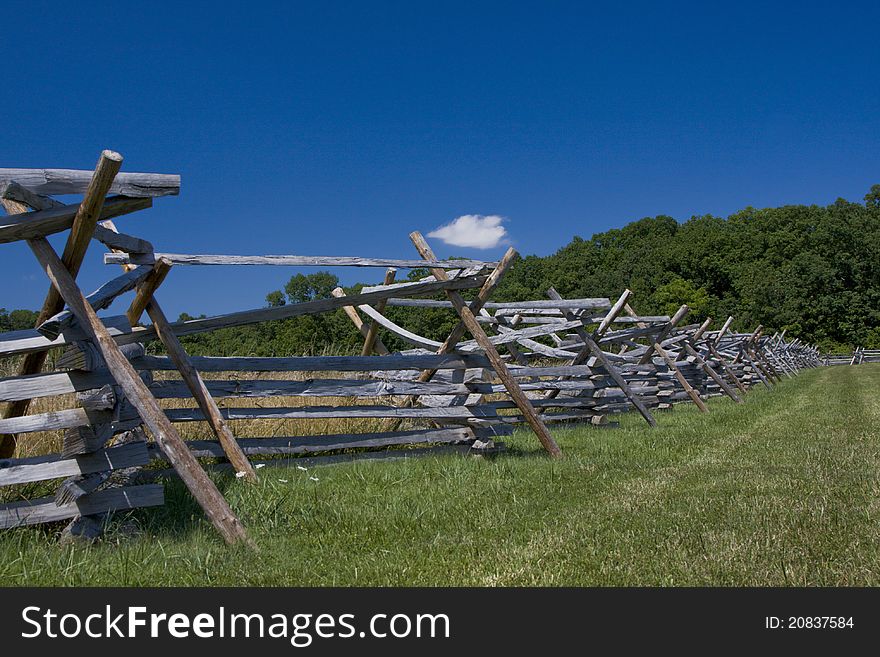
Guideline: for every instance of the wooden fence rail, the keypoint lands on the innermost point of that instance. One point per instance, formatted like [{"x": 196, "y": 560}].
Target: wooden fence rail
[{"x": 529, "y": 362}]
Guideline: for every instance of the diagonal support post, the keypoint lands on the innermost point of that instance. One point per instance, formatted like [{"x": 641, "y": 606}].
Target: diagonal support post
[
  {"x": 84, "y": 222},
  {"x": 688, "y": 388},
  {"x": 359, "y": 324},
  {"x": 712, "y": 373},
  {"x": 469, "y": 321},
  {"x": 586, "y": 351},
  {"x": 137, "y": 392},
  {"x": 145, "y": 300},
  {"x": 373, "y": 330},
  {"x": 616, "y": 376}
]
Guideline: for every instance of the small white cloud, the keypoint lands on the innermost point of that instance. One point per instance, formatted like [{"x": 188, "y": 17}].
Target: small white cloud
[{"x": 472, "y": 230}]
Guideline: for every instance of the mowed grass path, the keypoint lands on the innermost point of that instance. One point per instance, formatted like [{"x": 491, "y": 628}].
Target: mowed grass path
[{"x": 783, "y": 490}]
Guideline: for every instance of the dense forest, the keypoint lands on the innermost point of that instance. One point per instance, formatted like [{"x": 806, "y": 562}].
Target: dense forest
[
  {"x": 812, "y": 270},
  {"x": 809, "y": 269}
]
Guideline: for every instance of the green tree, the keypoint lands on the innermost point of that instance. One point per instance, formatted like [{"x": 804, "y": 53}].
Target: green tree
[
  {"x": 678, "y": 291},
  {"x": 308, "y": 287},
  {"x": 275, "y": 298}
]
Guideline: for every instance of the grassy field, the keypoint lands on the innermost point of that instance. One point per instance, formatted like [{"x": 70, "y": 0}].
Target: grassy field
[{"x": 783, "y": 490}]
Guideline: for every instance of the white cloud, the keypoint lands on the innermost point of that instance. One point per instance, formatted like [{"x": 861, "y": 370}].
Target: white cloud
[{"x": 472, "y": 230}]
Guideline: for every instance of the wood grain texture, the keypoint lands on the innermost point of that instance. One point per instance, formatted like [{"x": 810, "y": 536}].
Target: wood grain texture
[
  {"x": 201, "y": 487},
  {"x": 473, "y": 327},
  {"x": 245, "y": 317},
  {"x": 41, "y": 468},
  {"x": 11, "y": 190},
  {"x": 32, "y": 512},
  {"x": 373, "y": 330},
  {"x": 517, "y": 307},
  {"x": 82, "y": 228},
  {"x": 712, "y": 373},
  {"x": 312, "y": 444},
  {"x": 284, "y": 260},
  {"x": 391, "y": 362},
  {"x": 146, "y": 290},
  {"x": 196, "y": 385},
  {"x": 683, "y": 382},
  {"x": 454, "y": 413},
  {"x": 52, "y": 182},
  {"x": 359, "y": 324},
  {"x": 116, "y": 240},
  {"x": 100, "y": 299},
  {"x": 48, "y": 222},
  {"x": 28, "y": 341},
  {"x": 606, "y": 363},
  {"x": 666, "y": 330},
  {"x": 35, "y": 386}
]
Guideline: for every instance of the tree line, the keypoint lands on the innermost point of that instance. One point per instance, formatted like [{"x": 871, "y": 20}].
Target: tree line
[{"x": 812, "y": 270}]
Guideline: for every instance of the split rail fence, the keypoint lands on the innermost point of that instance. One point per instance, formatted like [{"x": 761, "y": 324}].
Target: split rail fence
[{"x": 526, "y": 362}]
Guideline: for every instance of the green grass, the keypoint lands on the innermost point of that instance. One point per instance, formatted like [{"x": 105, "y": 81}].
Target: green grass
[{"x": 783, "y": 490}]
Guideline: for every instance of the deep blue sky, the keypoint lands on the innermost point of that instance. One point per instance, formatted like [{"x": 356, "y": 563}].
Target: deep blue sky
[{"x": 335, "y": 129}]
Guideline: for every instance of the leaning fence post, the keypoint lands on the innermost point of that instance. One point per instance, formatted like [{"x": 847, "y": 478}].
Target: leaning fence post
[
  {"x": 607, "y": 364},
  {"x": 78, "y": 240},
  {"x": 373, "y": 330},
  {"x": 137, "y": 392},
  {"x": 470, "y": 323}
]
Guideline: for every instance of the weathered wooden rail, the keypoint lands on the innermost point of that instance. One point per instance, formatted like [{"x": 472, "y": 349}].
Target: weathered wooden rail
[{"x": 525, "y": 362}]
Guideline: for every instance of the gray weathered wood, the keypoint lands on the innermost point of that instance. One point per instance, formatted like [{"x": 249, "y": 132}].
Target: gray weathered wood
[
  {"x": 32, "y": 512},
  {"x": 121, "y": 241},
  {"x": 321, "y": 363},
  {"x": 199, "y": 484},
  {"x": 99, "y": 399},
  {"x": 12, "y": 190},
  {"x": 723, "y": 330},
  {"x": 461, "y": 413},
  {"x": 350, "y": 388},
  {"x": 35, "y": 386},
  {"x": 146, "y": 290},
  {"x": 688, "y": 388},
  {"x": 83, "y": 355},
  {"x": 606, "y": 363},
  {"x": 519, "y": 306},
  {"x": 712, "y": 373},
  {"x": 52, "y": 421},
  {"x": 726, "y": 367},
  {"x": 76, "y": 486},
  {"x": 298, "y": 309},
  {"x": 665, "y": 331},
  {"x": 41, "y": 468},
  {"x": 196, "y": 385},
  {"x": 285, "y": 260},
  {"x": 469, "y": 321},
  {"x": 373, "y": 330},
  {"x": 48, "y": 222},
  {"x": 81, "y": 230},
  {"x": 87, "y": 438},
  {"x": 616, "y": 309},
  {"x": 75, "y": 181},
  {"x": 337, "y": 459},
  {"x": 311, "y": 444},
  {"x": 700, "y": 331},
  {"x": 14, "y": 343},
  {"x": 99, "y": 299},
  {"x": 359, "y": 324}
]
